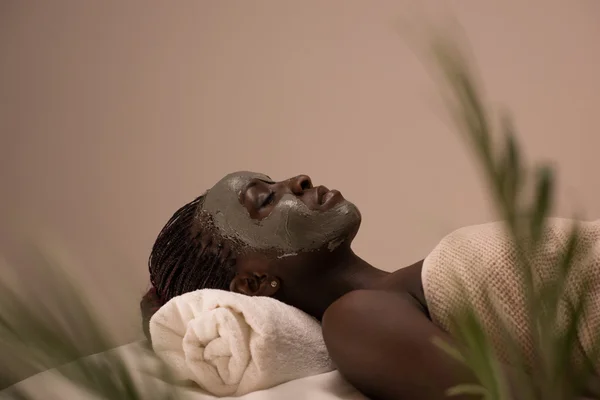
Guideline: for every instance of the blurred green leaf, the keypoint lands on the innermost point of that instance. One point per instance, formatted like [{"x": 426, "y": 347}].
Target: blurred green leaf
[
  {"x": 552, "y": 375},
  {"x": 50, "y": 331},
  {"x": 467, "y": 389}
]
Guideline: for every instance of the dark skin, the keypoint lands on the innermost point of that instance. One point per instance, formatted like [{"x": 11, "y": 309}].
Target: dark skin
[
  {"x": 376, "y": 324},
  {"x": 387, "y": 358}
]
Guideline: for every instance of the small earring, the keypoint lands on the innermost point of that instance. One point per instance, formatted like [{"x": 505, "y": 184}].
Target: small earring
[{"x": 273, "y": 283}]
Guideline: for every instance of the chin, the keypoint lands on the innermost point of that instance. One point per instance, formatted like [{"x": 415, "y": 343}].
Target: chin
[
  {"x": 354, "y": 229},
  {"x": 354, "y": 217},
  {"x": 350, "y": 228}
]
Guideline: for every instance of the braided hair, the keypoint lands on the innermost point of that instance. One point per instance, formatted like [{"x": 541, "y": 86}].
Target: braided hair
[{"x": 189, "y": 254}]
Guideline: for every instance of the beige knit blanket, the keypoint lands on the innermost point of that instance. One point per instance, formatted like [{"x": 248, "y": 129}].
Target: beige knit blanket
[{"x": 478, "y": 259}]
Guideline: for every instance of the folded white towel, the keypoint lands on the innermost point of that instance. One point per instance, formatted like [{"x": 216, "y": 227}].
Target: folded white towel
[{"x": 231, "y": 344}]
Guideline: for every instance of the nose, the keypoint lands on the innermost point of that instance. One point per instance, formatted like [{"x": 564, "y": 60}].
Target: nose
[{"x": 299, "y": 184}]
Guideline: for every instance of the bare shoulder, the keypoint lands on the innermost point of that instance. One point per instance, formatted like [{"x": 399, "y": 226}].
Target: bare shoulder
[
  {"x": 365, "y": 302},
  {"x": 374, "y": 337},
  {"x": 368, "y": 311},
  {"x": 381, "y": 342},
  {"x": 401, "y": 292}
]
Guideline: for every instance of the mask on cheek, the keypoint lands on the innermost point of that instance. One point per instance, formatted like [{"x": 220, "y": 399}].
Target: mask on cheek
[{"x": 291, "y": 227}]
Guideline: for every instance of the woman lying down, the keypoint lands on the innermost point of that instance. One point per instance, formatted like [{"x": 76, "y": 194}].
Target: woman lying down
[{"x": 291, "y": 241}]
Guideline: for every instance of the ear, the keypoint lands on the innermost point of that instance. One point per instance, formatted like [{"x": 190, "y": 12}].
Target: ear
[{"x": 255, "y": 284}]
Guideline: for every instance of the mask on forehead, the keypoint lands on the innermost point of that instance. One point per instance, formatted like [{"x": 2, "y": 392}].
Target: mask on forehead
[{"x": 291, "y": 227}]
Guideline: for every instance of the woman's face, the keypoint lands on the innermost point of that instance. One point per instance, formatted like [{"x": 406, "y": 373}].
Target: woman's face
[{"x": 290, "y": 216}]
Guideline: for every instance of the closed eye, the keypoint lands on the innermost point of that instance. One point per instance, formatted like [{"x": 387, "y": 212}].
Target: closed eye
[{"x": 269, "y": 200}]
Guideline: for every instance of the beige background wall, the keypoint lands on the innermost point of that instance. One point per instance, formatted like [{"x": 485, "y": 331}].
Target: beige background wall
[{"x": 112, "y": 114}]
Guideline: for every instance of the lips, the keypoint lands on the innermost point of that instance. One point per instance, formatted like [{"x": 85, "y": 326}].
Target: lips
[
  {"x": 322, "y": 192},
  {"x": 326, "y": 197},
  {"x": 331, "y": 197}
]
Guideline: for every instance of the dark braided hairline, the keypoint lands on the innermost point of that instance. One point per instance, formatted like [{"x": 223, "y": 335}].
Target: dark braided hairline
[{"x": 180, "y": 262}]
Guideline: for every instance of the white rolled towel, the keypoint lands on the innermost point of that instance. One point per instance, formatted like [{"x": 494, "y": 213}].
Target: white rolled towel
[{"x": 231, "y": 344}]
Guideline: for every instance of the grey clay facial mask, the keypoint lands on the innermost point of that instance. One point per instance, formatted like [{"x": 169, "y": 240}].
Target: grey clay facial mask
[{"x": 291, "y": 227}]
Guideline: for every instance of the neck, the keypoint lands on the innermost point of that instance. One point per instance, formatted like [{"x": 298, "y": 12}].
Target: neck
[{"x": 344, "y": 273}]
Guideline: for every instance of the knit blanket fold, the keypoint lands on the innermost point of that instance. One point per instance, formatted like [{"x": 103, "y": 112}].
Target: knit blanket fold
[{"x": 481, "y": 260}]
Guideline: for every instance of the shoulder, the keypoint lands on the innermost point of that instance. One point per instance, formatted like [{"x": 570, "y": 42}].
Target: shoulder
[
  {"x": 361, "y": 332},
  {"x": 365, "y": 317},
  {"x": 380, "y": 341},
  {"x": 359, "y": 305}
]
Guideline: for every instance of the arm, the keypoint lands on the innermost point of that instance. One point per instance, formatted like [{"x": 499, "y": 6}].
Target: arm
[{"x": 381, "y": 343}]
